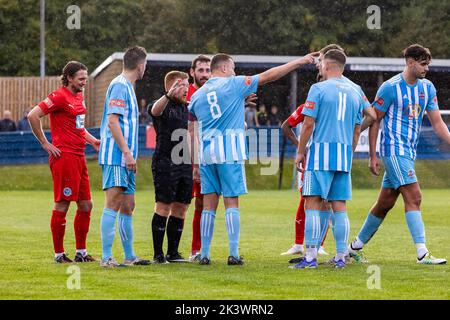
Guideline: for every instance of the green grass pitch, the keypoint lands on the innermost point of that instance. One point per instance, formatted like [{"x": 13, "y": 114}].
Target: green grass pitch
[{"x": 27, "y": 270}]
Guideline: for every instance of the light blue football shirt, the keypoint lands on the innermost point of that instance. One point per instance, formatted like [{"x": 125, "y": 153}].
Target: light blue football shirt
[
  {"x": 219, "y": 107},
  {"x": 404, "y": 106},
  {"x": 337, "y": 108},
  {"x": 121, "y": 100}
]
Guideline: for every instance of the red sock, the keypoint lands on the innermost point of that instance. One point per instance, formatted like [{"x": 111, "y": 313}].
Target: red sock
[
  {"x": 196, "y": 237},
  {"x": 300, "y": 222},
  {"x": 58, "y": 227},
  {"x": 81, "y": 227}
]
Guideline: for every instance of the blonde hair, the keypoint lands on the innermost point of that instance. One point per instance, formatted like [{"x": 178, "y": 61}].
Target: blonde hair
[{"x": 172, "y": 76}]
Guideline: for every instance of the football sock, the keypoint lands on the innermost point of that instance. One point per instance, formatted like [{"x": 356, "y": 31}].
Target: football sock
[
  {"x": 312, "y": 233},
  {"x": 83, "y": 252},
  {"x": 196, "y": 238},
  {"x": 108, "y": 229},
  {"x": 341, "y": 231},
  {"x": 233, "y": 228},
  {"x": 368, "y": 229},
  {"x": 421, "y": 250},
  {"x": 324, "y": 223},
  {"x": 300, "y": 222},
  {"x": 158, "y": 231},
  {"x": 81, "y": 228},
  {"x": 126, "y": 235},
  {"x": 417, "y": 230},
  {"x": 207, "y": 230},
  {"x": 174, "y": 231},
  {"x": 58, "y": 227}
]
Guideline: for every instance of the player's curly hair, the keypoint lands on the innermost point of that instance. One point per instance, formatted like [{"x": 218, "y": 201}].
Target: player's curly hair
[{"x": 69, "y": 70}]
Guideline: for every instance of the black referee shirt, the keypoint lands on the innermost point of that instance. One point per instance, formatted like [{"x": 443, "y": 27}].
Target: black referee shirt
[{"x": 175, "y": 116}]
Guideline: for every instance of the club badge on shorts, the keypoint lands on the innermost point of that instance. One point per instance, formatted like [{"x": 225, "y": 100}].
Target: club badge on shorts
[{"x": 67, "y": 192}]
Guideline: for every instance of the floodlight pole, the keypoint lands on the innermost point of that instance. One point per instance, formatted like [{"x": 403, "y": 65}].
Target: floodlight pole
[{"x": 42, "y": 60}]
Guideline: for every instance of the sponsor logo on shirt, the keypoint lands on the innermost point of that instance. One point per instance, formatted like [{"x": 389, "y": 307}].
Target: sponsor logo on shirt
[
  {"x": 248, "y": 81},
  {"x": 310, "y": 105},
  {"x": 49, "y": 103},
  {"x": 379, "y": 101},
  {"x": 422, "y": 96},
  {"x": 117, "y": 103}
]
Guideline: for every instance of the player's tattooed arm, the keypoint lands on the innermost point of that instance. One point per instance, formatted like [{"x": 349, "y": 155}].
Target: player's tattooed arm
[
  {"x": 439, "y": 125},
  {"x": 370, "y": 116},
  {"x": 34, "y": 118}
]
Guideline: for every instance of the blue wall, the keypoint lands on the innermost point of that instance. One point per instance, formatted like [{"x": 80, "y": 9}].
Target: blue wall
[{"x": 23, "y": 148}]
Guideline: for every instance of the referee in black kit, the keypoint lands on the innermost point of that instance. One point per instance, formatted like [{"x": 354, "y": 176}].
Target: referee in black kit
[{"x": 172, "y": 176}]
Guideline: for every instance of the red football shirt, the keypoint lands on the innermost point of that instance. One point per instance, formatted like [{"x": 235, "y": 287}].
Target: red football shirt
[
  {"x": 191, "y": 91},
  {"x": 296, "y": 117},
  {"x": 67, "y": 114}
]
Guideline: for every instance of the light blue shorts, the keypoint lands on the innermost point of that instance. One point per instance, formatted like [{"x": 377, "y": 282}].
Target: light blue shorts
[
  {"x": 399, "y": 171},
  {"x": 329, "y": 185},
  {"x": 117, "y": 176},
  {"x": 224, "y": 178}
]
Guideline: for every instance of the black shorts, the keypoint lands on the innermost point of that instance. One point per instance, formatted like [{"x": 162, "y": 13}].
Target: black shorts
[{"x": 173, "y": 183}]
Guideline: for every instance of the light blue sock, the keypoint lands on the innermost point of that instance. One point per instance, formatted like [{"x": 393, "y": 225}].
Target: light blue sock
[
  {"x": 126, "y": 235},
  {"x": 416, "y": 226},
  {"x": 324, "y": 223},
  {"x": 206, "y": 231},
  {"x": 108, "y": 229},
  {"x": 312, "y": 227},
  {"x": 341, "y": 231},
  {"x": 233, "y": 228},
  {"x": 369, "y": 227}
]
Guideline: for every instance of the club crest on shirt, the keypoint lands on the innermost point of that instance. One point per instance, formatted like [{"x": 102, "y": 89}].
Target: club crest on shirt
[
  {"x": 67, "y": 192},
  {"x": 248, "y": 81}
]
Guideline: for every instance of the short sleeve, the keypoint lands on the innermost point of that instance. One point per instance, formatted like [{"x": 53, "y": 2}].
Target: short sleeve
[
  {"x": 246, "y": 84},
  {"x": 117, "y": 100},
  {"x": 311, "y": 106},
  {"x": 384, "y": 97},
  {"x": 432, "y": 100},
  {"x": 365, "y": 102},
  {"x": 54, "y": 102},
  {"x": 296, "y": 117},
  {"x": 360, "y": 113}
]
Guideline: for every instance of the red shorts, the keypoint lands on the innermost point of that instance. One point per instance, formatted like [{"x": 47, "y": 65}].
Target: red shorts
[
  {"x": 196, "y": 190},
  {"x": 70, "y": 178}
]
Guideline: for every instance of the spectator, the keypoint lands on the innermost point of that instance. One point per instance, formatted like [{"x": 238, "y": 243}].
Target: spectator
[
  {"x": 144, "y": 117},
  {"x": 250, "y": 116},
  {"x": 261, "y": 116},
  {"x": 274, "y": 118},
  {"x": 7, "y": 124},
  {"x": 22, "y": 124}
]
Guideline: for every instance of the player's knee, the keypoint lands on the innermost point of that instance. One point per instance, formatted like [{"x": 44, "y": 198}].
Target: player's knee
[
  {"x": 62, "y": 206},
  {"x": 128, "y": 207},
  {"x": 198, "y": 204},
  {"x": 415, "y": 199},
  {"x": 85, "y": 206}
]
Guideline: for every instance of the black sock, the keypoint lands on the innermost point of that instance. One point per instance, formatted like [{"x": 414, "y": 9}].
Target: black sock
[
  {"x": 158, "y": 231},
  {"x": 174, "y": 231}
]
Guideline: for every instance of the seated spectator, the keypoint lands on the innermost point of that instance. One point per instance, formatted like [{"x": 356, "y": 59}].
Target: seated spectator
[
  {"x": 274, "y": 118},
  {"x": 22, "y": 124},
  {"x": 250, "y": 116},
  {"x": 7, "y": 124},
  {"x": 261, "y": 116}
]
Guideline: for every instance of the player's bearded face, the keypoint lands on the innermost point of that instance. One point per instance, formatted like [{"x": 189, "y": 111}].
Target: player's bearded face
[
  {"x": 78, "y": 81},
  {"x": 201, "y": 74}
]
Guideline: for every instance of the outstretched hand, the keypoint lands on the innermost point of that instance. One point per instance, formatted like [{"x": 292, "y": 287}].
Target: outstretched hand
[
  {"x": 175, "y": 90},
  {"x": 310, "y": 57}
]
